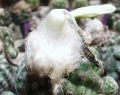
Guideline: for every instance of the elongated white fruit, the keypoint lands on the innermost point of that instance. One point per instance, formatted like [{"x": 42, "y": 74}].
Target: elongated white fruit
[{"x": 92, "y": 11}]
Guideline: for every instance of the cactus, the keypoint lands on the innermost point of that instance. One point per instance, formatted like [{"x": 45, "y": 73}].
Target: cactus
[
  {"x": 60, "y": 4},
  {"x": 20, "y": 19},
  {"x": 110, "y": 21},
  {"x": 7, "y": 35},
  {"x": 41, "y": 71},
  {"x": 21, "y": 12},
  {"x": 118, "y": 26},
  {"x": 110, "y": 55},
  {"x": 107, "y": 45},
  {"x": 7, "y": 51},
  {"x": 5, "y": 18},
  {"x": 20, "y": 6},
  {"x": 92, "y": 85},
  {"x": 108, "y": 48},
  {"x": 7, "y": 93},
  {"x": 79, "y": 3},
  {"x": 31, "y": 85},
  {"x": 87, "y": 81},
  {"x": 23, "y": 17},
  {"x": 109, "y": 86},
  {"x": 34, "y": 2}
]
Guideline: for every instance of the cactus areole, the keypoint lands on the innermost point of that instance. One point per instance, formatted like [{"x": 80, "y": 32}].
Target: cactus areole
[{"x": 55, "y": 48}]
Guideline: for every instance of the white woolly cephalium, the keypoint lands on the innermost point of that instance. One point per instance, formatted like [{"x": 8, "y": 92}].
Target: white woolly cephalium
[{"x": 54, "y": 48}]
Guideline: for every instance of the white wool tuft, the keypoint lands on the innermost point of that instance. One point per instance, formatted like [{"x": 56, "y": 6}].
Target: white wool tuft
[
  {"x": 87, "y": 37},
  {"x": 94, "y": 25},
  {"x": 53, "y": 53}
]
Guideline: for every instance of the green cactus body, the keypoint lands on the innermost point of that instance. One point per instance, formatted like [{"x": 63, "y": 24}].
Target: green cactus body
[
  {"x": 93, "y": 78},
  {"x": 6, "y": 75},
  {"x": 110, "y": 21},
  {"x": 98, "y": 71},
  {"x": 34, "y": 2},
  {"x": 69, "y": 88},
  {"x": 81, "y": 90},
  {"x": 78, "y": 75},
  {"x": 5, "y": 20},
  {"x": 118, "y": 26},
  {"x": 23, "y": 85},
  {"x": 89, "y": 92},
  {"x": 21, "y": 79},
  {"x": 118, "y": 67},
  {"x": 113, "y": 74},
  {"x": 110, "y": 54},
  {"x": 7, "y": 93},
  {"x": 88, "y": 74},
  {"x": 117, "y": 52},
  {"x": 9, "y": 42},
  {"x": 6, "y": 70},
  {"x": 83, "y": 81},
  {"x": 26, "y": 85},
  {"x": 110, "y": 63},
  {"x": 109, "y": 86},
  {"x": 80, "y": 3},
  {"x": 59, "y": 4},
  {"x": 21, "y": 18},
  {"x": 87, "y": 80}
]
